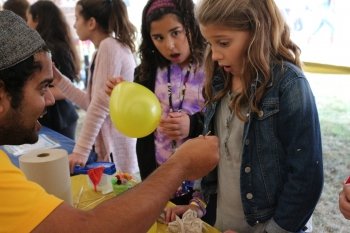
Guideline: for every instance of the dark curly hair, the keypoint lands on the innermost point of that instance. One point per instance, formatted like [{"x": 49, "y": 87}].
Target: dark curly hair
[{"x": 149, "y": 55}]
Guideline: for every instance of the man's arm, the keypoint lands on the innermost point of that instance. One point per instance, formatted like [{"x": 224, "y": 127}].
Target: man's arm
[{"x": 137, "y": 209}]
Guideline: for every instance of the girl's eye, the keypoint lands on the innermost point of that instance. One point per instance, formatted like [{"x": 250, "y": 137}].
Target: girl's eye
[
  {"x": 157, "y": 38},
  {"x": 176, "y": 32},
  {"x": 224, "y": 43}
]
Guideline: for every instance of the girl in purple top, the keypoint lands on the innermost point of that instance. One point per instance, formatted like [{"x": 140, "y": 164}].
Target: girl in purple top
[{"x": 171, "y": 54}]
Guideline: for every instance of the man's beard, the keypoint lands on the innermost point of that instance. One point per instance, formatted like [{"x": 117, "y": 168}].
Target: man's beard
[{"x": 15, "y": 134}]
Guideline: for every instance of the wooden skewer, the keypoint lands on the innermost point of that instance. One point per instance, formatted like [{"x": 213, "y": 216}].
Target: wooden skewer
[{"x": 79, "y": 197}]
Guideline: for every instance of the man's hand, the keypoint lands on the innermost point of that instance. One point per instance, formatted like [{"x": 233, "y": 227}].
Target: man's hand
[{"x": 198, "y": 156}]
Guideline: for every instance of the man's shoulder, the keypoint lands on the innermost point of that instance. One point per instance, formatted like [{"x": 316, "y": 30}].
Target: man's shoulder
[{"x": 4, "y": 157}]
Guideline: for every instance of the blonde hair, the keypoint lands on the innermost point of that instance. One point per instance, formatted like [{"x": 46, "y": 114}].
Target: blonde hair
[{"x": 270, "y": 44}]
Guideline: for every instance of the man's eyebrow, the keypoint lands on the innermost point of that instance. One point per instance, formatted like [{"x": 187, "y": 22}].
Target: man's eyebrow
[{"x": 46, "y": 81}]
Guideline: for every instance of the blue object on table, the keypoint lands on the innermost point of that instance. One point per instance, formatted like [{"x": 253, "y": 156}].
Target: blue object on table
[
  {"x": 65, "y": 143},
  {"x": 109, "y": 168}
]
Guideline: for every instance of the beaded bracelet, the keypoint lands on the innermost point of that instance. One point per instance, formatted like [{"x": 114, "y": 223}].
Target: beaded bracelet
[
  {"x": 194, "y": 203},
  {"x": 200, "y": 204}
]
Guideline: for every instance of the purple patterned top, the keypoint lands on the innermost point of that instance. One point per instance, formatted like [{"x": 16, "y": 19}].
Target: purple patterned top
[{"x": 193, "y": 101}]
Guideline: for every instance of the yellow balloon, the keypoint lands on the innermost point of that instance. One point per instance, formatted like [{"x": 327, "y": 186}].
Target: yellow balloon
[{"x": 135, "y": 110}]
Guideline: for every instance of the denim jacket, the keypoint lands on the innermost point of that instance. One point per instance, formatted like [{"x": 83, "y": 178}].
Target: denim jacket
[{"x": 282, "y": 169}]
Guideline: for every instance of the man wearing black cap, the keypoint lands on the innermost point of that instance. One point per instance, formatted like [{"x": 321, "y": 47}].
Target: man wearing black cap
[{"x": 25, "y": 79}]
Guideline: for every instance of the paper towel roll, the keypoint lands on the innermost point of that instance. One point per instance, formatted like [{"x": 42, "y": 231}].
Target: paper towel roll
[{"x": 50, "y": 169}]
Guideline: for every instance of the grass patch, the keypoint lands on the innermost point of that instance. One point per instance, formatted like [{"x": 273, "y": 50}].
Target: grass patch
[{"x": 334, "y": 113}]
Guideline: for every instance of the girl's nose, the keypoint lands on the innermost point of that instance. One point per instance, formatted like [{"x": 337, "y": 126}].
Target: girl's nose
[
  {"x": 215, "y": 55},
  {"x": 171, "y": 44}
]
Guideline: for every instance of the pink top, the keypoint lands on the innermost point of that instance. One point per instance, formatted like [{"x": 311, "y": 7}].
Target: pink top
[{"x": 112, "y": 59}]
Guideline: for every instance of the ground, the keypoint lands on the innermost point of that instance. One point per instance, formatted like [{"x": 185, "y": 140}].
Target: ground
[{"x": 333, "y": 101}]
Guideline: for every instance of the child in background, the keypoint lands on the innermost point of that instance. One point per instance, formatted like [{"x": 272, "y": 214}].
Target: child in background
[
  {"x": 260, "y": 105},
  {"x": 171, "y": 54},
  {"x": 45, "y": 17},
  {"x": 106, "y": 24}
]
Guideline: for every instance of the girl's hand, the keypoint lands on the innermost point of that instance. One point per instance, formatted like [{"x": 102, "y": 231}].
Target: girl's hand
[
  {"x": 111, "y": 83},
  {"x": 76, "y": 159},
  {"x": 57, "y": 75},
  {"x": 171, "y": 212},
  {"x": 176, "y": 125}
]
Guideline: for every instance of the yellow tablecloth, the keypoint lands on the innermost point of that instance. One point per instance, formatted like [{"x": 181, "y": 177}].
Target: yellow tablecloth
[{"x": 85, "y": 198}]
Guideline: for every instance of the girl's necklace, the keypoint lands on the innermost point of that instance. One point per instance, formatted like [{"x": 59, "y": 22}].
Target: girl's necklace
[{"x": 182, "y": 91}]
